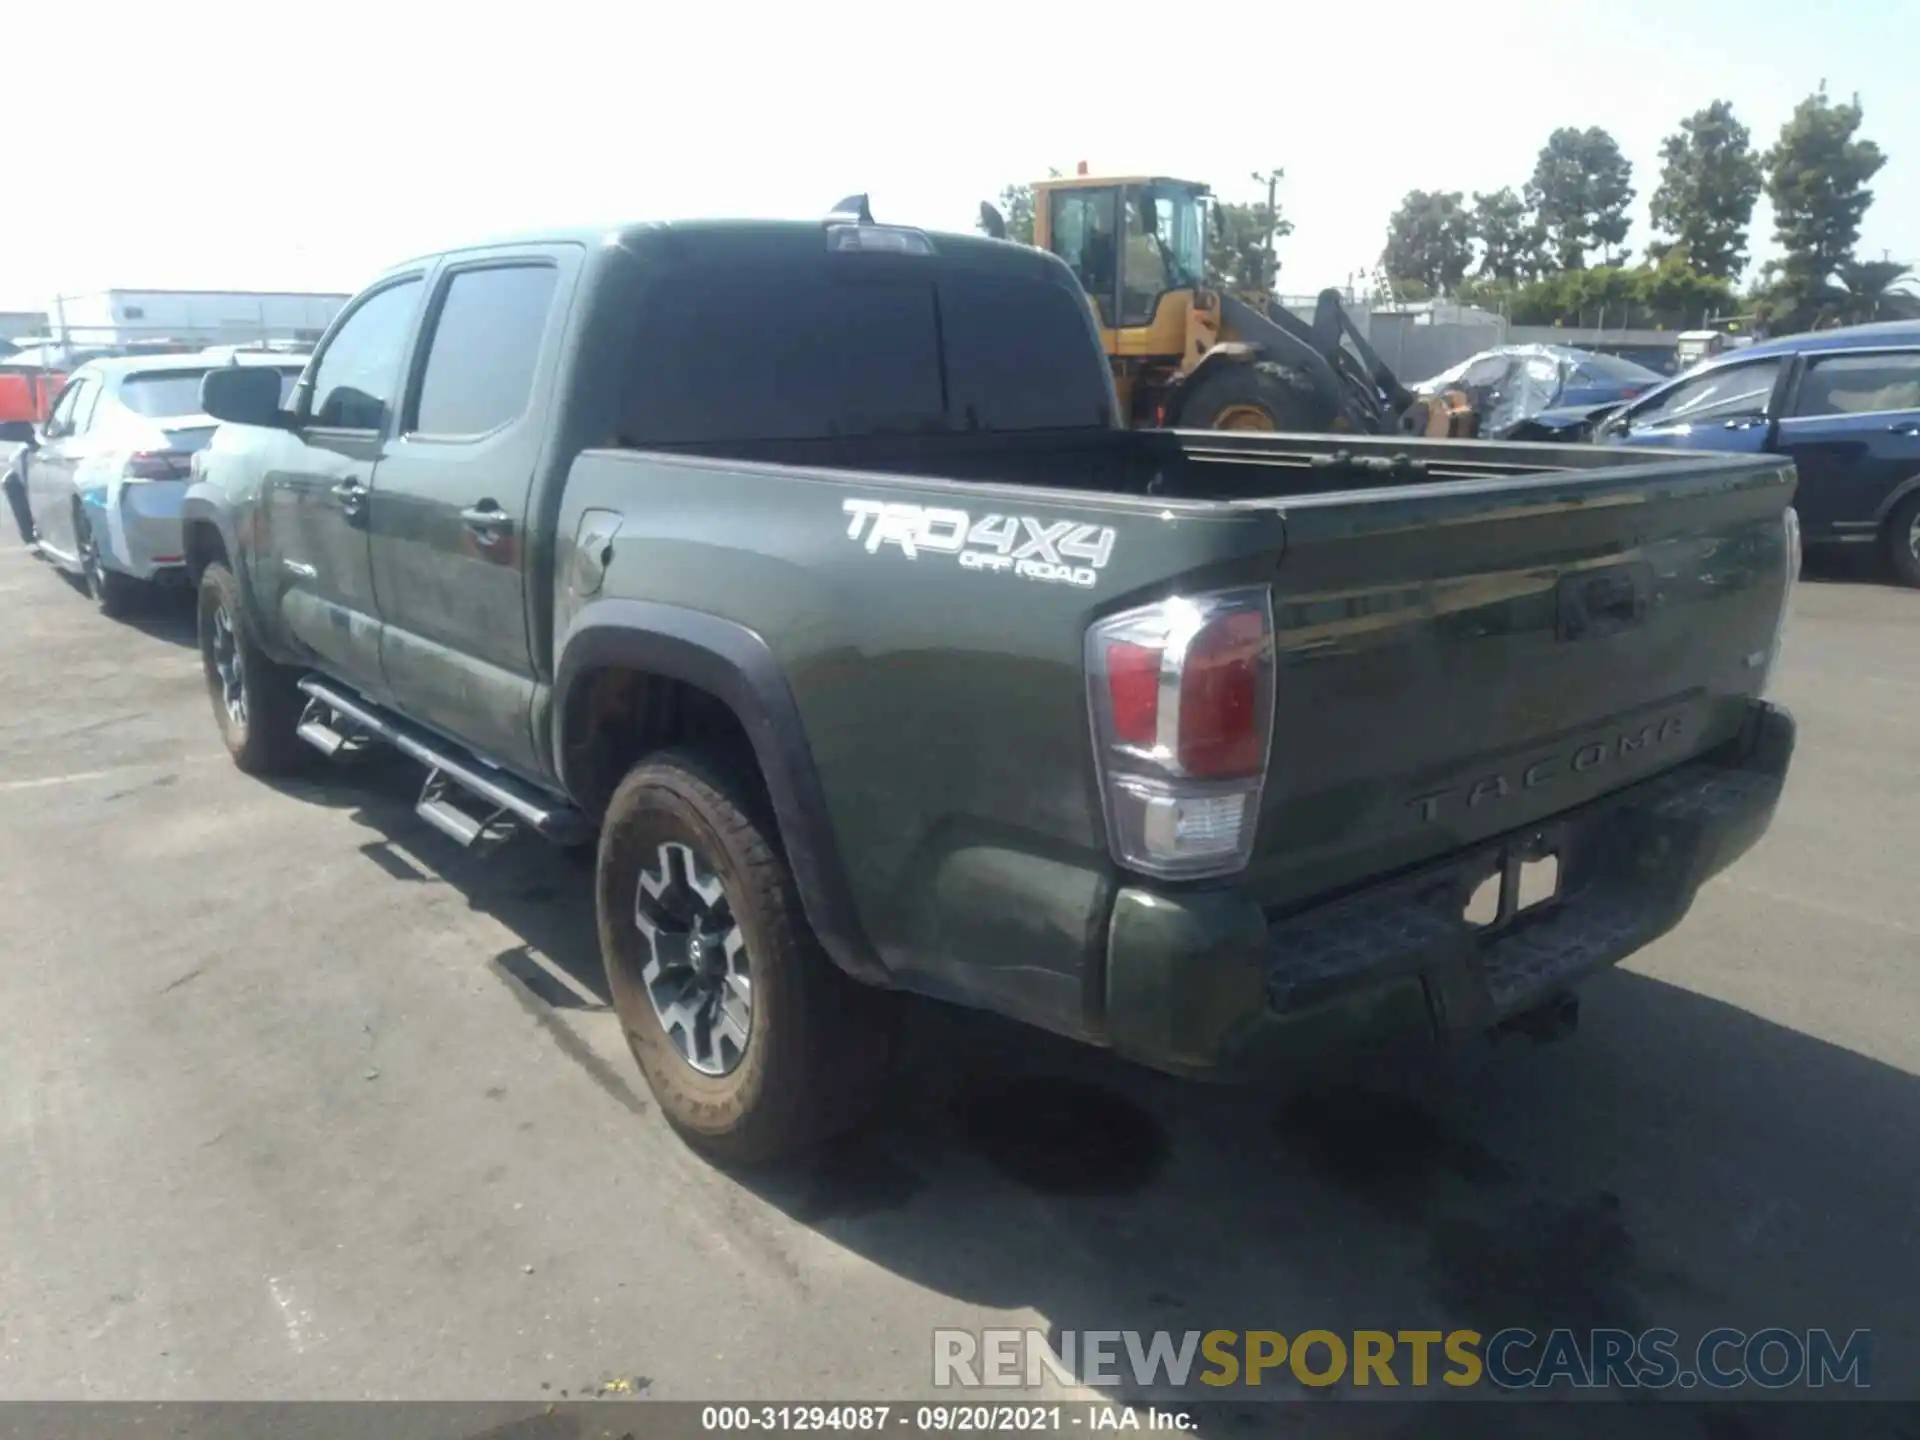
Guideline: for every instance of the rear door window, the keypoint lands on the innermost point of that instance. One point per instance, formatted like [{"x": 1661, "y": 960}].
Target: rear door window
[
  {"x": 1859, "y": 384},
  {"x": 486, "y": 341}
]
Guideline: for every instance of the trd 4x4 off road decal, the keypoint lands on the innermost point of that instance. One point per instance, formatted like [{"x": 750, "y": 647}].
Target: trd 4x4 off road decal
[{"x": 1059, "y": 552}]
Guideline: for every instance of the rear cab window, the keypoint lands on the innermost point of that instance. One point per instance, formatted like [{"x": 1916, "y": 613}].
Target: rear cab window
[{"x": 847, "y": 347}]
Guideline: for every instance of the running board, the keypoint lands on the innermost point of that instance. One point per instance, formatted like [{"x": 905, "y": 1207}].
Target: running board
[{"x": 506, "y": 797}]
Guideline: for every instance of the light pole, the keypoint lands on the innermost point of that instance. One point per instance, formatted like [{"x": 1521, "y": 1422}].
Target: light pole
[{"x": 1272, "y": 181}]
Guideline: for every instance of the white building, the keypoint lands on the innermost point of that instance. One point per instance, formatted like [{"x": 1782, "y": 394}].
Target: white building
[{"x": 212, "y": 317}]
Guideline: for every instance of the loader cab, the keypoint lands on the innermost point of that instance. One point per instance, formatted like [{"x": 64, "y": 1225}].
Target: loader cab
[{"x": 1138, "y": 246}]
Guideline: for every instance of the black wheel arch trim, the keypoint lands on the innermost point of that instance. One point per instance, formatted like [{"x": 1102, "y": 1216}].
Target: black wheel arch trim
[
  {"x": 202, "y": 504},
  {"x": 1895, "y": 498},
  {"x": 735, "y": 665}
]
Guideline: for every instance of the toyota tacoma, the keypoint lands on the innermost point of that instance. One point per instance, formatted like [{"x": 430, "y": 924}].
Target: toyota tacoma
[{"x": 872, "y": 655}]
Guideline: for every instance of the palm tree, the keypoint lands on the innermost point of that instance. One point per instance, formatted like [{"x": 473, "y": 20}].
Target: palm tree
[{"x": 1871, "y": 290}]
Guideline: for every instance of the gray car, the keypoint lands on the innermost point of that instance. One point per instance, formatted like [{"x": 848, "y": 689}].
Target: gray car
[{"x": 99, "y": 484}]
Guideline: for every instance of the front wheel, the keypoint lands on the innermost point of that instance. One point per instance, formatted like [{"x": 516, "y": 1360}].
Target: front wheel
[
  {"x": 256, "y": 703},
  {"x": 1902, "y": 537},
  {"x": 1259, "y": 395},
  {"x": 755, "y": 1045}
]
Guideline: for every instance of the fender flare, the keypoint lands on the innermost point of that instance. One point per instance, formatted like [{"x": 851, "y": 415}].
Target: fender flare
[
  {"x": 204, "y": 503},
  {"x": 735, "y": 665}
]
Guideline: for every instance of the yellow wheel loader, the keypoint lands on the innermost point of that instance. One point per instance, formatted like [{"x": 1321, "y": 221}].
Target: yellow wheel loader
[{"x": 1189, "y": 354}]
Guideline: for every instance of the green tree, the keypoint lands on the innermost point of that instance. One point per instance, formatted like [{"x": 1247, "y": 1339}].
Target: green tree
[
  {"x": 1676, "y": 293},
  {"x": 1240, "y": 249},
  {"x": 1580, "y": 191},
  {"x": 1817, "y": 177},
  {"x": 1430, "y": 239},
  {"x": 1867, "y": 290},
  {"x": 1709, "y": 180},
  {"x": 1016, "y": 209},
  {"x": 1511, "y": 243}
]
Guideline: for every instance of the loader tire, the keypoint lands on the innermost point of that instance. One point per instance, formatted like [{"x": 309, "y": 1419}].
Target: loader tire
[
  {"x": 753, "y": 1041},
  {"x": 1263, "y": 395}
]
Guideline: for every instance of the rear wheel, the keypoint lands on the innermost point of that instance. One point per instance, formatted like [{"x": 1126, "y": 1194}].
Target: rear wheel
[
  {"x": 1262, "y": 395},
  {"x": 1902, "y": 539},
  {"x": 113, "y": 592},
  {"x": 256, "y": 703},
  {"x": 755, "y": 1045}
]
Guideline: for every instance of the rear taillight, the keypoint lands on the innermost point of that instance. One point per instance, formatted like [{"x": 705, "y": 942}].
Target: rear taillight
[
  {"x": 155, "y": 465},
  {"x": 1790, "y": 563},
  {"x": 1182, "y": 700}
]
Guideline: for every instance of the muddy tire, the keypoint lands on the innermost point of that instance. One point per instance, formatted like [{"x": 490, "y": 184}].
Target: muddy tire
[
  {"x": 754, "y": 1043},
  {"x": 1902, "y": 540},
  {"x": 256, "y": 703},
  {"x": 1258, "y": 396}
]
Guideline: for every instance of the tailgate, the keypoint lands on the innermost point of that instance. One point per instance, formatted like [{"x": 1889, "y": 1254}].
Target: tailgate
[{"x": 1458, "y": 660}]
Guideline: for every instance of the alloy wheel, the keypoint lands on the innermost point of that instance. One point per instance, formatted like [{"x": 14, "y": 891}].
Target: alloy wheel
[
  {"x": 696, "y": 972},
  {"x": 229, "y": 666}
]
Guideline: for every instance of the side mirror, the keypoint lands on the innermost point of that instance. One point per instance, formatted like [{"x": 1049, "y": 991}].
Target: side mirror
[
  {"x": 244, "y": 395},
  {"x": 992, "y": 222},
  {"x": 18, "y": 432}
]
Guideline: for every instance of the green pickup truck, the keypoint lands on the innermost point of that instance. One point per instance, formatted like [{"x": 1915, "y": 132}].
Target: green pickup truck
[{"x": 809, "y": 568}]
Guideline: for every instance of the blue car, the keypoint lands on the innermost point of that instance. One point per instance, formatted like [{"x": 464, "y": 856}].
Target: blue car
[{"x": 1843, "y": 405}]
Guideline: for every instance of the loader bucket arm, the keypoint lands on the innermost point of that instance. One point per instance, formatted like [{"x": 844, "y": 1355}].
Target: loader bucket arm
[
  {"x": 1331, "y": 324},
  {"x": 1288, "y": 340}
]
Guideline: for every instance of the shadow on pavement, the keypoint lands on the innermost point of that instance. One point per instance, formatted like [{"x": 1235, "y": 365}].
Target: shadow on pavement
[{"x": 1679, "y": 1162}]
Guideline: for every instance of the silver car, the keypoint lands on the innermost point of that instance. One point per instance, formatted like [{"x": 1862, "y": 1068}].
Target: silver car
[{"x": 103, "y": 478}]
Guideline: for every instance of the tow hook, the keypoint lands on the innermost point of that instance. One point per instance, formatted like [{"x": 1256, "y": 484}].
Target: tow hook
[{"x": 1552, "y": 1019}]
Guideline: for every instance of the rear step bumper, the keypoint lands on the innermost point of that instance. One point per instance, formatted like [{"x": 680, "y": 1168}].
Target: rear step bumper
[
  {"x": 1205, "y": 983},
  {"x": 505, "y": 796}
]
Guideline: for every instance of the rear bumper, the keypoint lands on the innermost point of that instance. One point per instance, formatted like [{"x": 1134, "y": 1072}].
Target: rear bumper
[
  {"x": 140, "y": 528},
  {"x": 1206, "y": 983}
]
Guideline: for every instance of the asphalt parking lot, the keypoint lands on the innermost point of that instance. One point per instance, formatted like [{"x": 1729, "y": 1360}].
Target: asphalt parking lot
[{"x": 299, "y": 1101}]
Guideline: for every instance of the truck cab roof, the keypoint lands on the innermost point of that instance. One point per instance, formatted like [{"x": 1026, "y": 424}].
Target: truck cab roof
[{"x": 762, "y": 239}]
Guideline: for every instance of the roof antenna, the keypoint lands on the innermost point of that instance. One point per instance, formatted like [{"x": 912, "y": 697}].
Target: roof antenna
[{"x": 851, "y": 211}]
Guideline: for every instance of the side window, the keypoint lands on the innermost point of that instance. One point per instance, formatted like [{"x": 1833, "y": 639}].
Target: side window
[
  {"x": 1718, "y": 395},
  {"x": 86, "y": 406},
  {"x": 1486, "y": 372},
  {"x": 1859, "y": 384},
  {"x": 1082, "y": 230},
  {"x": 1144, "y": 276},
  {"x": 485, "y": 342},
  {"x": 60, "y": 419},
  {"x": 355, "y": 378}
]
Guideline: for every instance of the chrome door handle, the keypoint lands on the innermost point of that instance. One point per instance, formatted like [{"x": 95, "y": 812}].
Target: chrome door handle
[
  {"x": 487, "y": 521},
  {"x": 351, "y": 494},
  {"x": 1904, "y": 427}
]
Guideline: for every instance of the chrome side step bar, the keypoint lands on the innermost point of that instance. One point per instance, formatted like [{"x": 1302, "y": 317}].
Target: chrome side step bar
[{"x": 508, "y": 800}]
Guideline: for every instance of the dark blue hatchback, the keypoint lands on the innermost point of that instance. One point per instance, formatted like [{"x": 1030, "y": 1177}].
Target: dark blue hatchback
[{"x": 1843, "y": 405}]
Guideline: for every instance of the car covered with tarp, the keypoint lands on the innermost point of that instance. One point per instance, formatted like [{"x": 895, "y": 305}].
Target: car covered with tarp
[{"x": 1542, "y": 392}]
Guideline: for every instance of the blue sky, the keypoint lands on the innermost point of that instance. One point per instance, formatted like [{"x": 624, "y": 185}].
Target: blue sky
[{"x": 307, "y": 146}]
